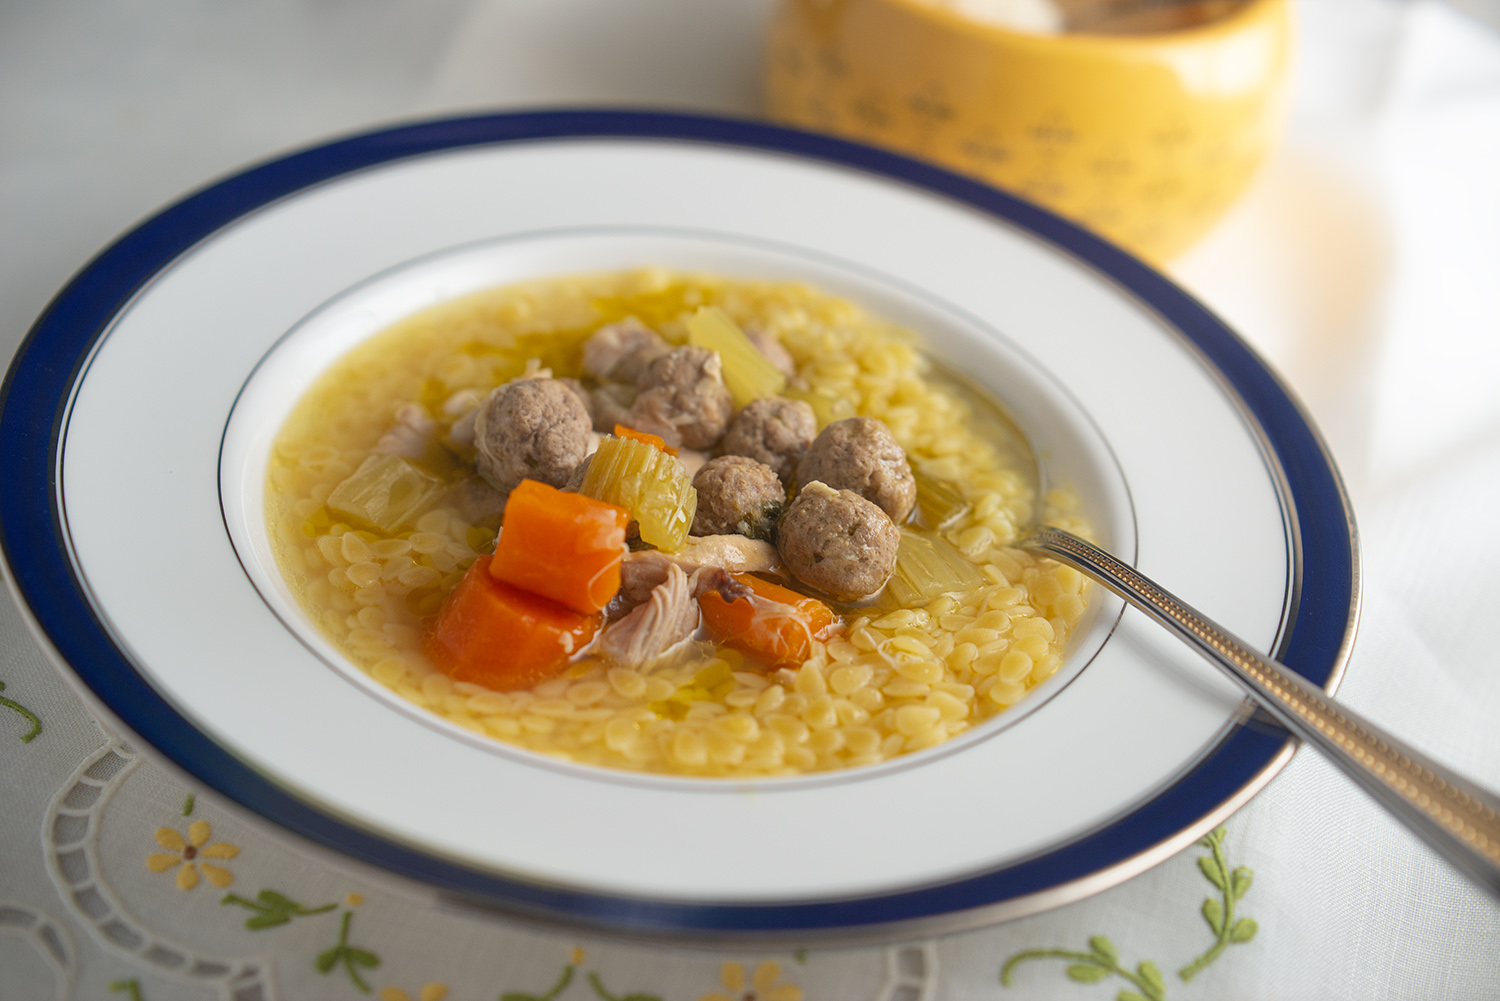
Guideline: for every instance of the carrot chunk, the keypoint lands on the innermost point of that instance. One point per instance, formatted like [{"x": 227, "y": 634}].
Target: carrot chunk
[
  {"x": 773, "y": 622},
  {"x": 499, "y": 636},
  {"x": 562, "y": 546},
  {"x": 656, "y": 441}
]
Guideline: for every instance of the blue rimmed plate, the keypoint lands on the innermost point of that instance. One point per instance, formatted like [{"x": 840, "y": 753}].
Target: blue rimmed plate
[{"x": 137, "y": 416}]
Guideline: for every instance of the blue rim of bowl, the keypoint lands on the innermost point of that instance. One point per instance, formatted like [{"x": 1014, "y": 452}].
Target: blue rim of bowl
[{"x": 1318, "y": 632}]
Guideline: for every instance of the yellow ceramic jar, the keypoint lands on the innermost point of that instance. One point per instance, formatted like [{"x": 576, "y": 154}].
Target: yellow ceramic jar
[{"x": 1146, "y": 138}]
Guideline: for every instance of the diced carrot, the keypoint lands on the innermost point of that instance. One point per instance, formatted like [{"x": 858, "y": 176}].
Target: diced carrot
[
  {"x": 773, "y": 622},
  {"x": 561, "y": 545},
  {"x": 502, "y": 637},
  {"x": 645, "y": 437}
]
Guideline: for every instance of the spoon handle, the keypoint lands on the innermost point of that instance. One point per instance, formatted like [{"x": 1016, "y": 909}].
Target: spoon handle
[{"x": 1456, "y": 817}]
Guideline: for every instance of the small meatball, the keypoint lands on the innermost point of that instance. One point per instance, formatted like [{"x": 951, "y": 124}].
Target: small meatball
[
  {"x": 621, "y": 352},
  {"x": 737, "y": 496},
  {"x": 838, "y": 542},
  {"x": 773, "y": 430},
  {"x": 773, "y": 350},
  {"x": 576, "y": 388},
  {"x": 860, "y": 454},
  {"x": 530, "y": 429},
  {"x": 683, "y": 398}
]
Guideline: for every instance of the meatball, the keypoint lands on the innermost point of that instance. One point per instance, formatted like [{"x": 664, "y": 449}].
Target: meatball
[
  {"x": 576, "y": 388},
  {"x": 773, "y": 430},
  {"x": 838, "y": 542},
  {"x": 621, "y": 351},
  {"x": 737, "y": 496},
  {"x": 683, "y": 398},
  {"x": 530, "y": 429},
  {"x": 860, "y": 454}
]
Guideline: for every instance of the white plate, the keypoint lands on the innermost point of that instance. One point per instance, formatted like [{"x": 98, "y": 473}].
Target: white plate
[{"x": 158, "y": 589}]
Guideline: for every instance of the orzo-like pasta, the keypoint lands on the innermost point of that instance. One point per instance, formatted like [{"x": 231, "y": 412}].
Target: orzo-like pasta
[{"x": 903, "y": 669}]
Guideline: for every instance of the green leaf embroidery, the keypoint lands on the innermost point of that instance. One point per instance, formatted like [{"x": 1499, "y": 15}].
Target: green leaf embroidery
[
  {"x": 1213, "y": 913},
  {"x": 131, "y": 987},
  {"x": 1086, "y": 973},
  {"x": 1219, "y": 914},
  {"x": 272, "y": 909},
  {"x": 36, "y": 726},
  {"x": 550, "y": 995},
  {"x": 187, "y": 805},
  {"x": 1102, "y": 961},
  {"x": 1211, "y": 871},
  {"x": 1085, "y": 967},
  {"x": 603, "y": 993},
  {"x": 349, "y": 956}
]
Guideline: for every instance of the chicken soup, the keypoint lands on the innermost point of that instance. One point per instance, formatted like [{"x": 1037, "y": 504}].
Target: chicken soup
[{"x": 671, "y": 523}]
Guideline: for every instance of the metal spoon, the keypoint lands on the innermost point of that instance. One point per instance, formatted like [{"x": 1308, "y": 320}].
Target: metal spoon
[{"x": 1457, "y": 818}]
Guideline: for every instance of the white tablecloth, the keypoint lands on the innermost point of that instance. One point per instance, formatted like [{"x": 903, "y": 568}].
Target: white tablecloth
[{"x": 1365, "y": 264}]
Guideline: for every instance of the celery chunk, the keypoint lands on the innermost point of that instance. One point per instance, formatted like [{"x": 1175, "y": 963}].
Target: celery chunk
[
  {"x": 747, "y": 373},
  {"x": 938, "y": 501},
  {"x": 927, "y": 567},
  {"x": 385, "y": 493},
  {"x": 652, "y": 485}
]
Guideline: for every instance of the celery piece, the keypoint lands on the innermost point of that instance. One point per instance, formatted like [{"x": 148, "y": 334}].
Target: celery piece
[
  {"x": 926, "y": 568},
  {"x": 385, "y": 493},
  {"x": 938, "y": 501},
  {"x": 652, "y": 485},
  {"x": 827, "y": 407},
  {"x": 747, "y": 373}
]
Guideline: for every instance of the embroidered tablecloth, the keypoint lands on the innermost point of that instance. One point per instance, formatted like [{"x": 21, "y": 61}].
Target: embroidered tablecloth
[{"x": 1363, "y": 264}]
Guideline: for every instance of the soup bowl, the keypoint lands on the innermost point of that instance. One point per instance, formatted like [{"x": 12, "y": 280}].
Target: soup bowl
[{"x": 172, "y": 360}]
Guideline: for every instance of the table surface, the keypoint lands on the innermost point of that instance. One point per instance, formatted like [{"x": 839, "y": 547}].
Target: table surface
[{"x": 1362, "y": 265}]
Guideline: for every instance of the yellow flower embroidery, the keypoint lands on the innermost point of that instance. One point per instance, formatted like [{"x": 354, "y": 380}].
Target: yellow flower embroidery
[
  {"x": 188, "y": 853},
  {"x": 429, "y": 992},
  {"x": 763, "y": 985}
]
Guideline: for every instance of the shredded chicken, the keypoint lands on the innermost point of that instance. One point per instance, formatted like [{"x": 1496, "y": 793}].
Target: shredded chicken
[
  {"x": 710, "y": 568},
  {"x": 622, "y": 351},
  {"x": 653, "y": 627},
  {"x": 461, "y": 408},
  {"x": 735, "y": 553},
  {"x": 409, "y": 435},
  {"x": 773, "y": 351}
]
